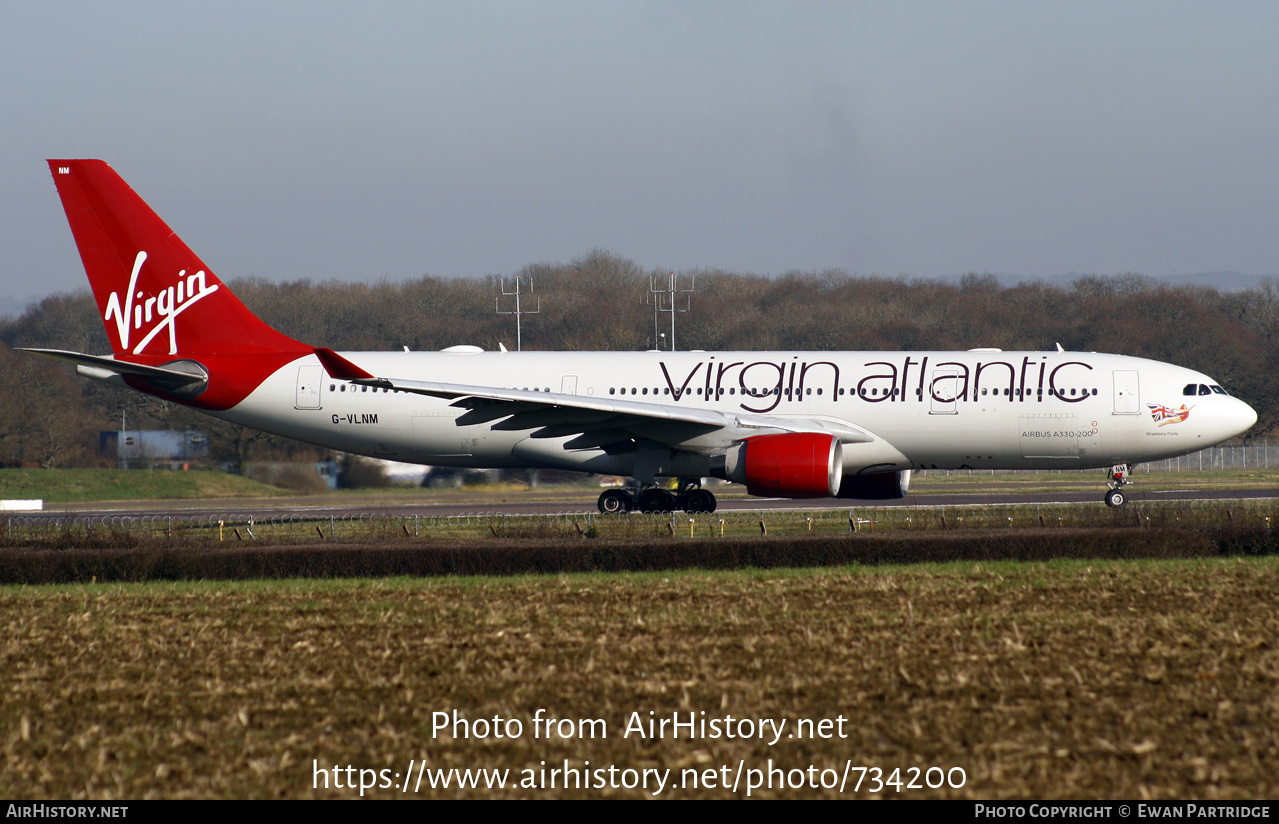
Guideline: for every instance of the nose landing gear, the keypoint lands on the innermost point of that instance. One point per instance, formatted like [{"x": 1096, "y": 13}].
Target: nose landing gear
[{"x": 1118, "y": 476}]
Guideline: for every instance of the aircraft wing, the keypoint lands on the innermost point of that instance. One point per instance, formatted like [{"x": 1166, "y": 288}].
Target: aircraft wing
[{"x": 596, "y": 422}]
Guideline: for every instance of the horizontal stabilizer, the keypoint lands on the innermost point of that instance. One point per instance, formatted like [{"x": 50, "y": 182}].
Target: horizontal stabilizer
[{"x": 185, "y": 378}]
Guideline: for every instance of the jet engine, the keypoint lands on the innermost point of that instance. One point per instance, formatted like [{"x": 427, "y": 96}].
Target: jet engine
[
  {"x": 881, "y": 486},
  {"x": 794, "y": 465}
]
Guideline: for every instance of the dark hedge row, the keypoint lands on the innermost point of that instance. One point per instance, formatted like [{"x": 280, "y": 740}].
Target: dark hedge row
[{"x": 514, "y": 557}]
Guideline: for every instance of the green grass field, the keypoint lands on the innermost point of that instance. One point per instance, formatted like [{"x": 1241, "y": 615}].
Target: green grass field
[
  {"x": 78, "y": 485},
  {"x": 933, "y": 482}
]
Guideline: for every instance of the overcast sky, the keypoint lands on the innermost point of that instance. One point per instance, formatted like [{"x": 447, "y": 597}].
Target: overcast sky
[{"x": 371, "y": 141}]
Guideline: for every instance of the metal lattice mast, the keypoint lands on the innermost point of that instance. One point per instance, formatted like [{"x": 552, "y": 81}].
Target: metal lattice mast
[
  {"x": 666, "y": 299},
  {"x": 519, "y": 310}
]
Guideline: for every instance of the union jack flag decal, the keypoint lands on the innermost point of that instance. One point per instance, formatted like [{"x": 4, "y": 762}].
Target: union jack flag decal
[{"x": 1164, "y": 415}]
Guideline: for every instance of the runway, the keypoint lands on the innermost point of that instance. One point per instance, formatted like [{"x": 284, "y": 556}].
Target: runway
[{"x": 310, "y": 508}]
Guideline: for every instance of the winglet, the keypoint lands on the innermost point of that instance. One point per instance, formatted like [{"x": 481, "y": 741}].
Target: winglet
[{"x": 339, "y": 367}]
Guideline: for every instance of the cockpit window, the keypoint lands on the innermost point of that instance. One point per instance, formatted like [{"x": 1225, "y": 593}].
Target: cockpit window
[
  {"x": 1191, "y": 389},
  {"x": 1219, "y": 390},
  {"x": 1204, "y": 390}
]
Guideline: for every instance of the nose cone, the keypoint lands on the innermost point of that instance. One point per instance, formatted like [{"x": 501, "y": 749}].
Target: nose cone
[
  {"x": 1220, "y": 420},
  {"x": 1241, "y": 416}
]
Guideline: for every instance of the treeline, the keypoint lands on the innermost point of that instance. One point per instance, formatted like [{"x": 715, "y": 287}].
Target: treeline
[{"x": 601, "y": 301}]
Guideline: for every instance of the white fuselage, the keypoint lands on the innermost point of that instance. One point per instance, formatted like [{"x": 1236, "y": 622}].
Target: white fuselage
[{"x": 921, "y": 410}]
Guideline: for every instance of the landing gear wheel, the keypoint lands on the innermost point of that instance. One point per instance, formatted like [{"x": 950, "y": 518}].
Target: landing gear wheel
[
  {"x": 615, "y": 501},
  {"x": 655, "y": 500},
  {"x": 696, "y": 501},
  {"x": 1116, "y": 498}
]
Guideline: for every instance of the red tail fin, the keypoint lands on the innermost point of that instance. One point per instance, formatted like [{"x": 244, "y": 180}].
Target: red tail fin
[
  {"x": 155, "y": 295},
  {"x": 159, "y": 302}
]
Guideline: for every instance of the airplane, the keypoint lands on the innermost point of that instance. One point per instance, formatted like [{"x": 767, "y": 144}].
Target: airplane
[{"x": 850, "y": 425}]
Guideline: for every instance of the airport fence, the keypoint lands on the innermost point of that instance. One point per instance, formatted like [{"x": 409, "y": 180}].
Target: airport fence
[
  {"x": 380, "y": 529},
  {"x": 1254, "y": 455}
]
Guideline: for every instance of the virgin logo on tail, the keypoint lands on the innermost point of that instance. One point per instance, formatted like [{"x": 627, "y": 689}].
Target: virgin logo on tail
[{"x": 155, "y": 313}]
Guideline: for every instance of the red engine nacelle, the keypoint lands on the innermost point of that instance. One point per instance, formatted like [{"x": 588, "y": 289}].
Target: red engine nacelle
[{"x": 798, "y": 465}]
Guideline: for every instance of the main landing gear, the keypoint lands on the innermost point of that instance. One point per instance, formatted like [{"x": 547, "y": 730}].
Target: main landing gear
[
  {"x": 1115, "y": 496},
  {"x": 691, "y": 498}
]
